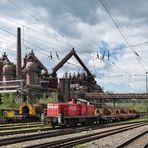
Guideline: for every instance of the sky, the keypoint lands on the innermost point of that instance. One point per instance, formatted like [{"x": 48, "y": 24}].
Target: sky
[{"x": 56, "y": 26}]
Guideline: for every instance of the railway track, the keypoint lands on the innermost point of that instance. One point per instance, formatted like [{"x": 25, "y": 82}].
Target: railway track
[
  {"x": 146, "y": 146},
  {"x": 22, "y": 128},
  {"x": 48, "y": 134},
  {"x": 13, "y": 140},
  {"x": 18, "y": 124},
  {"x": 19, "y": 127},
  {"x": 124, "y": 144},
  {"x": 70, "y": 142}
]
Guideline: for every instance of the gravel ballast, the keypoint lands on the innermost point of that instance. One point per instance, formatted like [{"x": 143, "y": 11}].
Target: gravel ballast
[
  {"x": 102, "y": 142},
  {"x": 117, "y": 139}
]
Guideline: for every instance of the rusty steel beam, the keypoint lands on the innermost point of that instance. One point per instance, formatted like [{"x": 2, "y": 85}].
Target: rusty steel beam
[
  {"x": 66, "y": 58},
  {"x": 61, "y": 63},
  {"x": 116, "y": 95},
  {"x": 83, "y": 65}
]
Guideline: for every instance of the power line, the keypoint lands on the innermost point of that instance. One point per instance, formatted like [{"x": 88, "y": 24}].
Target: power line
[
  {"x": 28, "y": 27},
  {"x": 39, "y": 20},
  {"x": 35, "y": 46},
  {"x": 122, "y": 33},
  {"x": 33, "y": 18},
  {"x": 23, "y": 10},
  {"x": 134, "y": 45},
  {"x": 8, "y": 41},
  {"x": 34, "y": 31},
  {"x": 24, "y": 40}
]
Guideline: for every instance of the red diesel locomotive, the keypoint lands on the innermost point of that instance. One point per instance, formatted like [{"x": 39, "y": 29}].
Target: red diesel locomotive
[{"x": 70, "y": 113}]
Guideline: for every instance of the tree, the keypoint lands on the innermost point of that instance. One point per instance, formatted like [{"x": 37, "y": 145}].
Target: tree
[
  {"x": 0, "y": 99},
  {"x": 7, "y": 101}
]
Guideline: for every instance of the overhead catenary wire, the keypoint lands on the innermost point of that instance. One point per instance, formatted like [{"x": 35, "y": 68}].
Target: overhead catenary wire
[
  {"x": 36, "y": 46},
  {"x": 7, "y": 41},
  {"x": 33, "y": 29},
  {"x": 134, "y": 45},
  {"x": 123, "y": 34},
  {"x": 39, "y": 20},
  {"x": 24, "y": 39},
  {"x": 112, "y": 62},
  {"x": 109, "y": 61},
  {"x": 34, "y": 17},
  {"x": 116, "y": 79},
  {"x": 23, "y": 10},
  {"x": 30, "y": 28},
  {"x": 31, "y": 15},
  {"x": 26, "y": 47},
  {"x": 36, "y": 31}
]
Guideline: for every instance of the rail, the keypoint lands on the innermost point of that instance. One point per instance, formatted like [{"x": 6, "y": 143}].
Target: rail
[
  {"x": 131, "y": 140},
  {"x": 52, "y": 133},
  {"x": 70, "y": 142}
]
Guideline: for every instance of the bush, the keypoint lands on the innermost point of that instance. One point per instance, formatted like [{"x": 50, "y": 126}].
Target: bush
[
  {"x": 141, "y": 106},
  {"x": 8, "y": 101}
]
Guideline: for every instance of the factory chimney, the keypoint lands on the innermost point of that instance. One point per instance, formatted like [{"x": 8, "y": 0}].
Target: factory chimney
[{"x": 18, "y": 54}]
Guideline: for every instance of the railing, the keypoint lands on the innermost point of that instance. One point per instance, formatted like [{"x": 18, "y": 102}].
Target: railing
[
  {"x": 116, "y": 95},
  {"x": 11, "y": 86}
]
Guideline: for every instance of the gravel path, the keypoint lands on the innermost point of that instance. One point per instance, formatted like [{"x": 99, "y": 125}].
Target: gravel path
[{"x": 115, "y": 140}]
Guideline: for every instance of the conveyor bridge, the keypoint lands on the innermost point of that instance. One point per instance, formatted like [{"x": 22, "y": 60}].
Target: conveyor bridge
[{"x": 116, "y": 95}]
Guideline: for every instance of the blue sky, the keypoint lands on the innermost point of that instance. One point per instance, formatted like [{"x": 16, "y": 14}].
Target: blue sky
[{"x": 60, "y": 25}]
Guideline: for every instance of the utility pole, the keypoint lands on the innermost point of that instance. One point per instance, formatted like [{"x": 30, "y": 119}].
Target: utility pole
[{"x": 146, "y": 74}]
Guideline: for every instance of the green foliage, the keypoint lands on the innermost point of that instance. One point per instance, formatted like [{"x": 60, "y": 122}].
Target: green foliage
[
  {"x": 43, "y": 99},
  {"x": 0, "y": 99},
  {"x": 138, "y": 106},
  {"x": 1, "y": 113},
  {"x": 49, "y": 98},
  {"x": 8, "y": 101}
]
